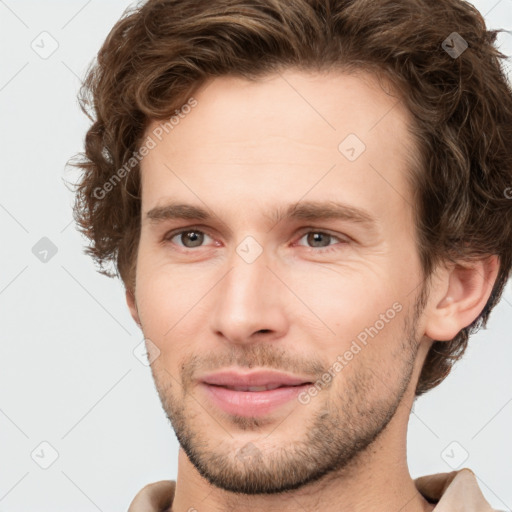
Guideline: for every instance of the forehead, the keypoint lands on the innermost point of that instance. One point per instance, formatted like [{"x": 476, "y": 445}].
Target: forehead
[
  {"x": 278, "y": 137},
  {"x": 332, "y": 102}
]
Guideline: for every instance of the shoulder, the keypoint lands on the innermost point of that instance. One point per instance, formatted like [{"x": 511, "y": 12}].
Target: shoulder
[
  {"x": 453, "y": 490},
  {"x": 154, "y": 497}
]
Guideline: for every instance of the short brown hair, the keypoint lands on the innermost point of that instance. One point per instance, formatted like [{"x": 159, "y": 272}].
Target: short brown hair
[{"x": 160, "y": 52}]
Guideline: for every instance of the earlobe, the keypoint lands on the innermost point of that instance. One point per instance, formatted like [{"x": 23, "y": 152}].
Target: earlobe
[
  {"x": 467, "y": 287},
  {"x": 132, "y": 306}
]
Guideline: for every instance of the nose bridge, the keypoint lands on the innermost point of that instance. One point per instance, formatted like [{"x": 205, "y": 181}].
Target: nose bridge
[
  {"x": 247, "y": 300},
  {"x": 246, "y": 286}
]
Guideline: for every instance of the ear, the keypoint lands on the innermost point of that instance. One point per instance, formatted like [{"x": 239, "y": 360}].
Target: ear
[
  {"x": 132, "y": 306},
  {"x": 458, "y": 296}
]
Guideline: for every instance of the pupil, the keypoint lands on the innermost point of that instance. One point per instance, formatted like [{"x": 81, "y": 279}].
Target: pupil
[
  {"x": 313, "y": 238},
  {"x": 193, "y": 237}
]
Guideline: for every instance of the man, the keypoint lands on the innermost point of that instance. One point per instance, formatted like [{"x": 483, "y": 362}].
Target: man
[{"x": 307, "y": 202}]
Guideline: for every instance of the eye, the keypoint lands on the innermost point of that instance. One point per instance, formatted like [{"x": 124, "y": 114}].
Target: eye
[
  {"x": 191, "y": 238},
  {"x": 188, "y": 238},
  {"x": 320, "y": 239}
]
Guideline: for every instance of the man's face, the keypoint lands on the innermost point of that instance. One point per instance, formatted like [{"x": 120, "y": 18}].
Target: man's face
[{"x": 242, "y": 291}]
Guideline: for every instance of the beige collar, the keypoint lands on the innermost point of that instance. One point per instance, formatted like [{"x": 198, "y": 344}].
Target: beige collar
[{"x": 456, "y": 491}]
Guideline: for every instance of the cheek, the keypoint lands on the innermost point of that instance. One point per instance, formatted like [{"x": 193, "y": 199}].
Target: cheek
[
  {"x": 347, "y": 299},
  {"x": 362, "y": 309},
  {"x": 160, "y": 295},
  {"x": 171, "y": 301}
]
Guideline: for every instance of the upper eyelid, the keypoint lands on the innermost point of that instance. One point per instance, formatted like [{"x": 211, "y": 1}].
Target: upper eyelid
[{"x": 178, "y": 231}]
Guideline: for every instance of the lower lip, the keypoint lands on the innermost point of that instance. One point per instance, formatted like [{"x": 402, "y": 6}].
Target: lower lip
[{"x": 251, "y": 403}]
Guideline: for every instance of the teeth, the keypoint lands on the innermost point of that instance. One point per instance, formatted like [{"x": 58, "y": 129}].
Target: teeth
[{"x": 253, "y": 388}]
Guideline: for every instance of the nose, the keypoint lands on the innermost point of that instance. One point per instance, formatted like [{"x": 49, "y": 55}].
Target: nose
[{"x": 249, "y": 303}]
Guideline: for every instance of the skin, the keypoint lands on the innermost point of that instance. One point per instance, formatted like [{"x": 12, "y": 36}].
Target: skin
[{"x": 245, "y": 149}]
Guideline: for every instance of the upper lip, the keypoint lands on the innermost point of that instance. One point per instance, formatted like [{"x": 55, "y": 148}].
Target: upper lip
[{"x": 257, "y": 378}]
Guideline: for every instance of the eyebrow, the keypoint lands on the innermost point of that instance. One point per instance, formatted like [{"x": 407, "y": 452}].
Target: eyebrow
[{"x": 305, "y": 211}]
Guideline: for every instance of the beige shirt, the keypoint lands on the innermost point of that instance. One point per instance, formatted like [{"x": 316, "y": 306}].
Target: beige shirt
[{"x": 457, "y": 491}]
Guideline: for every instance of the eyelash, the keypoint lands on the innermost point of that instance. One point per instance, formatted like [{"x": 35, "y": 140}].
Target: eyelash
[{"x": 169, "y": 236}]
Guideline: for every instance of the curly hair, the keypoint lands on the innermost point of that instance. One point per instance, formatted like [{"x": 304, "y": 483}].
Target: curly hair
[{"x": 161, "y": 51}]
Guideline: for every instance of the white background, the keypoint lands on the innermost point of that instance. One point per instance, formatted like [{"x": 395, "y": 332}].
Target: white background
[{"x": 68, "y": 375}]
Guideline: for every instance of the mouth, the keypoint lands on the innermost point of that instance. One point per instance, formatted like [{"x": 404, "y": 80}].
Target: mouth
[
  {"x": 252, "y": 389},
  {"x": 252, "y": 394},
  {"x": 252, "y": 401}
]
